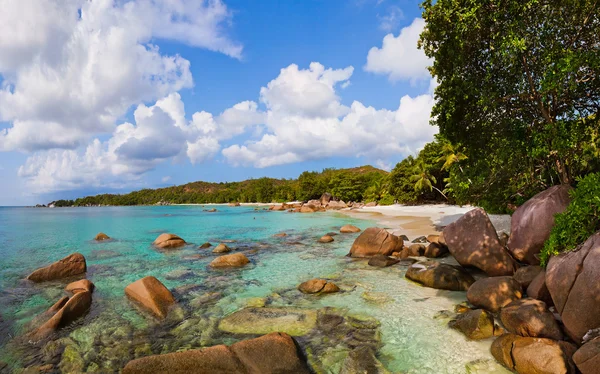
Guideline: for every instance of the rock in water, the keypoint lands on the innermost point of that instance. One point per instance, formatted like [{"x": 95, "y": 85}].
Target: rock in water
[
  {"x": 348, "y": 229},
  {"x": 572, "y": 279},
  {"x": 152, "y": 295},
  {"x": 532, "y": 222},
  {"x": 532, "y": 355},
  {"x": 362, "y": 360},
  {"x": 382, "y": 261},
  {"x": 473, "y": 241},
  {"x": 440, "y": 276},
  {"x": 221, "y": 248},
  {"x": 526, "y": 274},
  {"x": 587, "y": 357},
  {"x": 316, "y": 285},
  {"x": 258, "y": 321},
  {"x": 326, "y": 239},
  {"x": 375, "y": 241},
  {"x": 80, "y": 286},
  {"x": 168, "y": 241},
  {"x": 475, "y": 324},
  {"x": 73, "y": 264},
  {"x": 230, "y": 261},
  {"x": 66, "y": 311},
  {"x": 530, "y": 317},
  {"x": 274, "y": 353},
  {"x": 494, "y": 293},
  {"x": 205, "y": 245},
  {"x": 101, "y": 236}
]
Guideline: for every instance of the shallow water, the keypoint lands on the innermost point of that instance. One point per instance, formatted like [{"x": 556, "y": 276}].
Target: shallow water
[{"x": 413, "y": 338}]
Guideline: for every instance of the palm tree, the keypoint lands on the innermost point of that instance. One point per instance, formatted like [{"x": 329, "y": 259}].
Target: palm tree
[
  {"x": 424, "y": 180},
  {"x": 451, "y": 156}
]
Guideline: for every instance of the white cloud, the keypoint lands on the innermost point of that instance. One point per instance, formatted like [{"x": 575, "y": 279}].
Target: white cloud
[
  {"x": 391, "y": 20},
  {"x": 399, "y": 58},
  {"x": 165, "y": 179},
  {"x": 71, "y": 69}
]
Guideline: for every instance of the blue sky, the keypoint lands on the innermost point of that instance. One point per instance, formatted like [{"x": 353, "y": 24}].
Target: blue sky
[{"x": 117, "y": 96}]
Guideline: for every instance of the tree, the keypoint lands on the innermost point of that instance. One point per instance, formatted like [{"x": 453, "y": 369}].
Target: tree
[
  {"x": 519, "y": 88},
  {"x": 424, "y": 180}
]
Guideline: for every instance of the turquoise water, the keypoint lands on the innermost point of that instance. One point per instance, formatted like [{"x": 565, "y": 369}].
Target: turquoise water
[{"x": 413, "y": 340}]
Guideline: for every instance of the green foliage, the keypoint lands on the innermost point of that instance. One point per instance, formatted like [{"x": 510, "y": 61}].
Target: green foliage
[
  {"x": 578, "y": 222},
  {"x": 386, "y": 200}
]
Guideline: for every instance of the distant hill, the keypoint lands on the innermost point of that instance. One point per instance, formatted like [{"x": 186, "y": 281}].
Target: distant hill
[{"x": 353, "y": 184}]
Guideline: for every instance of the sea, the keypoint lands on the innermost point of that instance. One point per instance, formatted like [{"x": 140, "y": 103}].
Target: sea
[{"x": 412, "y": 334}]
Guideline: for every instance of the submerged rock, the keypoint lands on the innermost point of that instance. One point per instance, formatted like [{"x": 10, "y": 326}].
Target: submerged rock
[
  {"x": 440, "y": 276},
  {"x": 152, "y": 295},
  {"x": 258, "y": 321},
  {"x": 374, "y": 241},
  {"x": 65, "y": 311},
  {"x": 475, "y": 324},
  {"x": 230, "y": 261},
  {"x": 529, "y": 317},
  {"x": 101, "y": 236},
  {"x": 494, "y": 293},
  {"x": 168, "y": 241},
  {"x": 348, "y": 229},
  {"x": 73, "y": 264},
  {"x": 362, "y": 360}
]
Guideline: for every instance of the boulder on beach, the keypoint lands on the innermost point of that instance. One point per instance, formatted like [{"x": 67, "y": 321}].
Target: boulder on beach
[
  {"x": 374, "y": 241},
  {"x": 221, "y": 248},
  {"x": 205, "y": 245},
  {"x": 530, "y": 317},
  {"x": 80, "y": 286},
  {"x": 258, "y": 321},
  {"x": 537, "y": 289},
  {"x": 526, "y": 274},
  {"x": 63, "y": 313},
  {"x": 278, "y": 208},
  {"x": 230, "y": 261},
  {"x": 435, "y": 250},
  {"x": 316, "y": 285},
  {"x": 532, "y": 222},
  {"x": 307, "y": 209},
  {"x": 476, "y": 324},
  {"x": 325, "y": 198},
  {"x": 234, "y": 204},
  {"x": 152, "y": 295},
  {"x": 440, "y": 276},
  {"x": 587, "y": 357},
  {"x": 525, "y": 355},
  {"x": 101, "y": 236},
  {"x": 416, "y": 249},
  {"x": 382, "y": 261},
  {"x": 473, "y": 241},
  {"x": 572, "y": 279},
  {"x": 494, "y": 293},
  {"x": 336, "y": 205},
  {"x": 168, "y": 241},
  {"x": 270, "y": 354},
  {"x": 420, "y": 239},
  {"x": 325, "y": 239},
  {"x": 371, "y": 204},
  {"x": 73, "y": 264},
  {"x": 348, "y": 229}
]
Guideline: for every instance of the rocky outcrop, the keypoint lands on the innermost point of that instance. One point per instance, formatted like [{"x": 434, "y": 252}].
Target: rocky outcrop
[
  {"x": 537, "y": 289},
  {"x": 278, "y": 208},
  {"x": 526, "y": 274},
  {"x": 473, "y": 241},
  {"x": 587, "y": 357},
  {"x": 80, "y": 286},
  {"x": 532, "y": 355},
  {"x": 476, "y": 324},
  {"x": 257, "y": 321},
  {"x": 532, "y": 222},
  {"x": 375, "y": 241},
  {"x": 440, "y": 276},
  {"x": 573, "y": 281},
  {"x": 64, "y": 312},
  {"x": 221, "y": 248},
  {"x": 348, "y": 229},
  {"x": 320, "y": 286},
  {"x": 230, "y": 261},
  {"x": 168, "y": 241},
  {"x": 494, "y": 293},
  {"x": 416, "y": 250},
  {"x": 71, "y": 265},
  {"x": 150, "y": 293},
  {"x": 530, "y": 317},
  {"x": 325, "y": 239},
  {"x": 270, "y": 354},
  {"x": 382, "y": 261},
  {"x": 325, "y": 198},
  {"x": 336, "y": 205},
  {"x": 307, "y": 209},
  {"x": 101, "y": 236}
]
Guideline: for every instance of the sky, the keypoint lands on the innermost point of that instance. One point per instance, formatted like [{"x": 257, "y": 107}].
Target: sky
[{"x": 112, "y": 96}]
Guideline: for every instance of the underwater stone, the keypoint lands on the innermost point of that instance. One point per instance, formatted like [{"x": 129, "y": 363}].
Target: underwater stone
[{"x": 258, "y": 321}]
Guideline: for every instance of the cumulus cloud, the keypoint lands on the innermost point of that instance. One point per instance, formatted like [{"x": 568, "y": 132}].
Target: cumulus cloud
[
  {"x": 71, "y": 69},
  {"x": 399, "y": 58}
]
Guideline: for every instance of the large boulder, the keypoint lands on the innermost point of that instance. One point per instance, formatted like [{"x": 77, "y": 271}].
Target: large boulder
[
  {"x": 168, "y": 241},
  {"x": 526, "y": 355},
  {"x": 375, "y": 241},
  {"x": 348, "y": 229},
  {"x": 526, "y": 274},
  {"x": 257, "y": 321},
  {"x": 152, "y": 295},
  {"x": 537, "y": 289},
  {"x": 230, "y": 261},
  {"x": 587, "y": 357},
  {"x": 494, "y": 293},
  {"x": 530, "y": 317},
  {"x": 64, "y": 312},
  {"x": 336, "y": 205},
  {"x": 476, "y": 324},
  {"x": 573, "y": 280},
  {"x": 440, "y": 276},
  {"x": 325, "y": 198},
  {"x": 73, "y": 264},
  {"x": 473, "y": 241},
  {"x": 270, "y": 354},
  {"x": 532, "y": 222}
]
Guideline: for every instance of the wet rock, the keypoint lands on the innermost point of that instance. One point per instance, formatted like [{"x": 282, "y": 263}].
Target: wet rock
[
  {"x": 221, "y": 248},
  {"x": 314, "y": 286},
  {"x": 416, "y": 250},
  {"x": 587, "y": 357},
  {"x": 494, "y": 293},
  {"x": 66, "y": 312},
  {"x": 258, "y": 321},
  {"x": 207, "y": 298},
  {"x": 376, "y": 297},
  {"x": 152, "y": 295},
  {"x": 461, "y": 308},
  {"x": 473, "y": 241},
  {"x": 71, "y": 265},
  {"x": 101, "y": 236},
  {"x": 280, "y": 235},
  {"x": 326, "y": 239},
  {"x": 440, "y": 276},
  {"x": 374, "y": 241},
  {"x": 80, "y": 286},
  {"x": 532, "y": 222},
  {"x": 382, "y": 261},
  {"x": 420, "y": 239},
  {"x": 270, "y": 354},
  {"x": 168, "y": 241},
  {"x": 435, "y": 250},
  {"x": 537, "y": 289},
  {"x": 229, "y": 261},
  {"x": 348, "y": 229},
  {"x": 362, "y": 360},
  {"x": 475, "y": 324},
  {"x": 71, "y": 360},
  {"x": 179, "y": 274},
  {"x": 205, "y": 246},
  {"x": 526, "y": 355},
  {"x": 529, "y": 317},
  {"x": 526, "y": 274}
]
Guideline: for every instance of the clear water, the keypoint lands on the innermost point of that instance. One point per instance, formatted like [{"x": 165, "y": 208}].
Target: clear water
[{"x": 115, "y": 330}]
